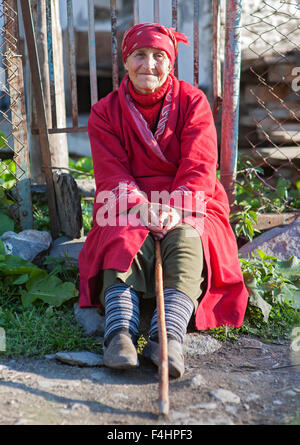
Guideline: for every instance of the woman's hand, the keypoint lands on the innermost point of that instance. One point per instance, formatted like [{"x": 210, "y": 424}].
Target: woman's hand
[{"x": 159, "y": 219}]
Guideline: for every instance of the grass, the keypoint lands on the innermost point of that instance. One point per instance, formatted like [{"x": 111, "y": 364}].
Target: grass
[{"x": 38, "y": 330}]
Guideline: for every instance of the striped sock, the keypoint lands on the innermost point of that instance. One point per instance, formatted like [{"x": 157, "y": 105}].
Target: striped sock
[
  {"x": 121, "y": 311},
  {"x": 178, "y": 311}
]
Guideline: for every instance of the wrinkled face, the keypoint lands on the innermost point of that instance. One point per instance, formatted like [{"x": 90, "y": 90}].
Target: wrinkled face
[{"x": 148, "y": 69}]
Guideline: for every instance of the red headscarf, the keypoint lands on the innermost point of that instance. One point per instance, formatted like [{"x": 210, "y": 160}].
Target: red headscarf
[{"x": 152, "y": 35}]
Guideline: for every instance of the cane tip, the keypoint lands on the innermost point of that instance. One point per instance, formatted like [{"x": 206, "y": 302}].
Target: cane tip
[{"x": 163, "y": 409}]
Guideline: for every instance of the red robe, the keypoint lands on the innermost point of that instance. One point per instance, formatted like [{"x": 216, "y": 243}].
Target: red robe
[{"x": 181, "y": 156}]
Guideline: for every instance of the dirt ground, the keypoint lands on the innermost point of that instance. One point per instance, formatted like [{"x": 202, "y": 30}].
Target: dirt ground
[{"x": 245, "y": 382}]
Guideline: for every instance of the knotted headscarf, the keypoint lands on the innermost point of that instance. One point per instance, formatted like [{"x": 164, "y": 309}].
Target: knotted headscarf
[{"x": 152, "y": 35}]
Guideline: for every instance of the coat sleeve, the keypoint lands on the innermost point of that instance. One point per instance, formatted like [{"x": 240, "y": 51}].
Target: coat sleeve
[
  {"x": 195, "y": 181},
  {"x": 116, "y": 188}
]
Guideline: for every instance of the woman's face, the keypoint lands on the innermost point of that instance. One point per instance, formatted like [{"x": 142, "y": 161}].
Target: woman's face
[{"x": 148, "y": 69}]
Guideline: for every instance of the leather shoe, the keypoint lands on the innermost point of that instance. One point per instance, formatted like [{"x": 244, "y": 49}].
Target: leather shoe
[
  {"x": 120, "y": 353},
  {"x": 175, "y": 356}
]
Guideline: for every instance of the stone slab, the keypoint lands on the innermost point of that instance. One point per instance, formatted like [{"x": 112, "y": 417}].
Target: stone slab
[
  {"x": 281, "y": 242},
  {"x": 68, "y": 248}
]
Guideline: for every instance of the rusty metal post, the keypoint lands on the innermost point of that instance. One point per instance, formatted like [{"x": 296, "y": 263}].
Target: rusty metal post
[
  {"x": 18, "y": 115},
  {"x": 72, "y": 62},
  {"x": 156, "y": 11},
  {"x": 41, "y": 113},
  {"x": 114, "y": 43},
  {"x": 196, "y": 43},
  {"x": 231, "y": 97},
  {"x": 217, "y": 88},
  {"x": 135, "y": 12},
  {"x": 51, "y": 63},
  {"x": 92, "y": 52},
  {"x": 174, "y": 25}
]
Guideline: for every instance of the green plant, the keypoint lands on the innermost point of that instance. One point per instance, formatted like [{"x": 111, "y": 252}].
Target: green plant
[
  {"x": 243, "y": 221},
  {"x": 255, "y": 194},
  {"x": 224, "y": 333},
  {"x": 262, "y": 194},
  {"x": 32, "y": 283},
  {"x": 84, "y": 166},
  {"x": 87, "y": 215},
  {"x": 36, "y": 309},
  {"x": 274, "y": 295},
  {"x": 7, "y": 181},
  {"x": 40, "y": 329}
]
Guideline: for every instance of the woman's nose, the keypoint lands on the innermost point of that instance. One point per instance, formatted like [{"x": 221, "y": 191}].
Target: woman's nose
[{"x": 149, "y": 62}]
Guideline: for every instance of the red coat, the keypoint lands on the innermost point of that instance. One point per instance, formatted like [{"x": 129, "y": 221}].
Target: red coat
[{"x": 182, "y": 155}]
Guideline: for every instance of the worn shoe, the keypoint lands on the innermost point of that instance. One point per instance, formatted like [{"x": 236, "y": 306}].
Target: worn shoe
[
  {"x": 120, "y": 353},
  {"x": 175, "y": 356}
]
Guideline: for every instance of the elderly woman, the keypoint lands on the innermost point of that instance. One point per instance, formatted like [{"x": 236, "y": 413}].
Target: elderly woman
[{"x": 154, "y": 151}]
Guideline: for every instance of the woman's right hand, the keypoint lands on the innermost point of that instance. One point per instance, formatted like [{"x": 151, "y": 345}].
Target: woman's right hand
[{"x": 159, "y": 219}]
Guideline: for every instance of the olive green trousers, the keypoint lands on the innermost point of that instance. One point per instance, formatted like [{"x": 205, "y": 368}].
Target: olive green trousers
[{"x": 182, "y": 257}]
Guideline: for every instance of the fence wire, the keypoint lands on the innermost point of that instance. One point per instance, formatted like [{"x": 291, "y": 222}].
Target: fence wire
[
  {"x": 14, "y": 160},
  {"x": 269, "y": 133}
]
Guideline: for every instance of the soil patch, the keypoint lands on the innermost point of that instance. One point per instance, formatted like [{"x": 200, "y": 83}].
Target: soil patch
[{"x": 246, "y": 382}]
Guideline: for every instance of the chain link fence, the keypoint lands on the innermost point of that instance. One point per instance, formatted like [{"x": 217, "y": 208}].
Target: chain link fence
[
  {"x": 14, "y": 159},
  {"x": 269, "y": 132}
]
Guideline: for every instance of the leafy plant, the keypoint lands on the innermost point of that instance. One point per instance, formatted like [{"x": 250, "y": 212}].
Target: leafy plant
[
  {"x": 260, "y": 193},
  {"x": 8, "y": 173},
  {"x": 7, "y": 181},
  {"x": 32, "y": 283},
  {"x": 87, "y": 215},
  {"x": 254, "y": 195},
  {"x": 244, "y": 221},
  {"x": 274, "y": 294},
  {"x": 3, "y": 143},
  {"x": 84, "y": 166}
]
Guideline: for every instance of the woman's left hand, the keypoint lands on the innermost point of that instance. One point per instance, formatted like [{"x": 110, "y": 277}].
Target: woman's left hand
[{"x": 159, "y": 219}]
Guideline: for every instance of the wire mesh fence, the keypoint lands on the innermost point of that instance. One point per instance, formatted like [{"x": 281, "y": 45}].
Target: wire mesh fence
[
  {"x": 14, "y": 159},
  {"x": 269, "y": 132}
]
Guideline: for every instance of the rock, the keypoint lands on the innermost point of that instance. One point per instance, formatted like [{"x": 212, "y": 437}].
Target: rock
[
  {"x": 27, "y": 244},
  {"x": 87, "y": 187},
  {"x": 281, "y": 242},
  {"x": 65, "y": 247},
  {"x": 80, "y": 406},
  {"x": 231, "y": 409},
  {"x": 83, "y": 358},
  {"x": 200, "y": 344},
  {"x": 49, "y": 356},
  {"x": 252, "y": 397},
  {"x": 92, "y": 322},
  {"x": 208, "y": 405},
  {"x": 197, "y": 380},
  {"x": 47, "y": 383},
  {"x": 289, "y": 393},
  {"x": 225, "y": 396}
]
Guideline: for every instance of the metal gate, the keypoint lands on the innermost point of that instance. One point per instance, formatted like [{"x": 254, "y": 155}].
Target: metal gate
[{"x": 231, "y": 28}]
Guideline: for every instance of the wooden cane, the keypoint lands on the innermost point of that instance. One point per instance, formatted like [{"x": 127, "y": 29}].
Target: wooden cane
[{"x": 162, "y": 335}]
